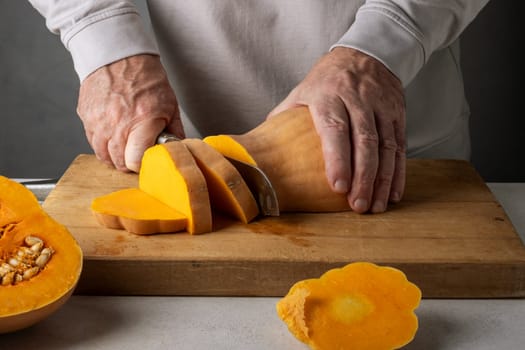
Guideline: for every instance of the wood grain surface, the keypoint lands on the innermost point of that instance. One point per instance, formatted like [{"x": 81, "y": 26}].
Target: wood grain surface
[{"x": 449, "y": 235}]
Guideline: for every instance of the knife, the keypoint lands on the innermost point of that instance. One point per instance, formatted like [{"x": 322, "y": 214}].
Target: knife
[{"x": 255, "y": 179}]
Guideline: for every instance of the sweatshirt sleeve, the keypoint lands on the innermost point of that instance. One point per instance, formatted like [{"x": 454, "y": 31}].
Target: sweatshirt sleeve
[
  {"x": 97, "y": 33},
  {"x": 402, "y": 34}
]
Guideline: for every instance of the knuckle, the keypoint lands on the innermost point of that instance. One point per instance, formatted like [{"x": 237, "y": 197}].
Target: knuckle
[
  {"x": 113, "y": 110},
  {"x": 333, "y": 122},
  {"x": 344, "y": 83},
  {"x": 367, "y": 139},
  {"x": 384, "y": 179},
  {"x": 401, "y": 148},
  {"x": 113, "y": 146},
  {"x": 343, "y": 79},
  {"x": 328, "y": 120},
  {"x": 370, "y": 89},
  {"x": 389, "y": 145},
  {"x": 367, "y": 180},
  {"x": 366, "y": 177}
]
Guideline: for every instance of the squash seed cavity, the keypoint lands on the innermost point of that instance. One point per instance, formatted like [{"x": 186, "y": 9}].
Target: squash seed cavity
[{"x": 26, "y": 262}]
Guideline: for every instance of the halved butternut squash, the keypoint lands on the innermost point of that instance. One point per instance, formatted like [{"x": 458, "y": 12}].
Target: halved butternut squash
[{"x": 40, "y": 261}]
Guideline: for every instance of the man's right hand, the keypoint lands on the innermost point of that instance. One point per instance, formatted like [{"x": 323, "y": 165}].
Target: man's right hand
[{"x": 124, "y": 106}]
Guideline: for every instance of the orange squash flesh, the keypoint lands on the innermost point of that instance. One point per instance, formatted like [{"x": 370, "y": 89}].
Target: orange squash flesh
[
  {"x": 228, "y": 191},
  {"x": 137, "y": 212},
  {"x": 360, "y": 306},
  {"x": 228, "y": 146},
  {"x": 287, "y": 148},
  {"x": 28, "y": 302},
  {"x": 170, "y": 174}
]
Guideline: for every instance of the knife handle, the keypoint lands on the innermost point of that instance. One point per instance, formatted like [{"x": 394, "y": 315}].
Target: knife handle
[{"x": 166, "y": 137}]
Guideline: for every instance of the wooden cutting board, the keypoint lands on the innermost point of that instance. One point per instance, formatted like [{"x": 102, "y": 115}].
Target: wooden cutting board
[{"x": 449, "y": 235}]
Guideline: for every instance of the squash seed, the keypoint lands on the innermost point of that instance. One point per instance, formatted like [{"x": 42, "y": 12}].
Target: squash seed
[
  {"x": 14, "y": 262},
  {"x": 42, "y": 260},
  {"x": 27, "y": 252},
  {"x": 37, "y": 246},
  {"x": 30, "y": 272},
  {"x": 5, "y": 268},
  {"x": 26, "y": 262},
  {"x": 32, "y": 240},
  {"x": 47, "y": 250},
  {"x": 18, "y": 278},
  {"x": 8, "y": 279}
]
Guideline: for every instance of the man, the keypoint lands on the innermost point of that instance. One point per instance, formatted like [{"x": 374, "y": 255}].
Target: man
[{"x": 356, "y": 64}]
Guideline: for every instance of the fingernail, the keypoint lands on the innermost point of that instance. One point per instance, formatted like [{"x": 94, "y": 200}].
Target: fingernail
[
  {"x": 378, "y": 207},
  {"x": 395, "y": 197},
  {"x": 133, "y": 165},
  {"x": 361, "y": 205},
  {"x": 341, "y": 186}
]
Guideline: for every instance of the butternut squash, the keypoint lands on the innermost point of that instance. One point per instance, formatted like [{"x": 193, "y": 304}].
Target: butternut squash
[
  {"x": 170, "y": 174},
  {"x": 228, "y": 192},
  {"x": 179, "y": 183},
  {"x": 40, "y": 261},
  {"x": 191, "y": 178},
  {"x": 359, "y": 306},
  {"x": 137, "y": 212},
  {"x": 287, "y": 148}
]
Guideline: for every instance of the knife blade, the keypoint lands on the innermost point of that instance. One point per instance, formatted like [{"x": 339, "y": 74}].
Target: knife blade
[
  {"x": 255, "y": 179},
  {"x": 259, "y": 185}
]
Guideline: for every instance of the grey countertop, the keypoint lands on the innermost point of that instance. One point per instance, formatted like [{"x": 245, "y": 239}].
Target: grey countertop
[{"x": 201, "y": 323}]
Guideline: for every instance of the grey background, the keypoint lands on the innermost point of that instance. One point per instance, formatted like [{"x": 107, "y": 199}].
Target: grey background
[{"x": 40, "y": 133}]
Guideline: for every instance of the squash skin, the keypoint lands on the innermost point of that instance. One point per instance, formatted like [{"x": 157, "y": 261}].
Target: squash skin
[
  {"x": 29, "y": 302},
  {"x": 359, "y": 306},
  {"x": 287, "y": 148}
]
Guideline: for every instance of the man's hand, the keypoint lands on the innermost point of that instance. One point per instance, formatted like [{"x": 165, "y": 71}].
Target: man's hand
[
  {"x": 124, "y": 106},
  {"x": 358, "y": 110}
]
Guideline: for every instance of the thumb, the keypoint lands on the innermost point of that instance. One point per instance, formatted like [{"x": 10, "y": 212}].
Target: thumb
[
  {"x": 175, "y": 127},
  {"x": 140, "y": 138}
]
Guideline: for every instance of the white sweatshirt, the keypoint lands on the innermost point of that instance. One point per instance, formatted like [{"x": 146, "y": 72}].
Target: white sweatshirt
[{"x": 231, "y": 61}]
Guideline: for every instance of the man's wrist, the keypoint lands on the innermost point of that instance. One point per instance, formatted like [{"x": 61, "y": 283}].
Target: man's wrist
[
  {"x": 109, "y": 40},
  {"x": 386, "y": 39}
]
